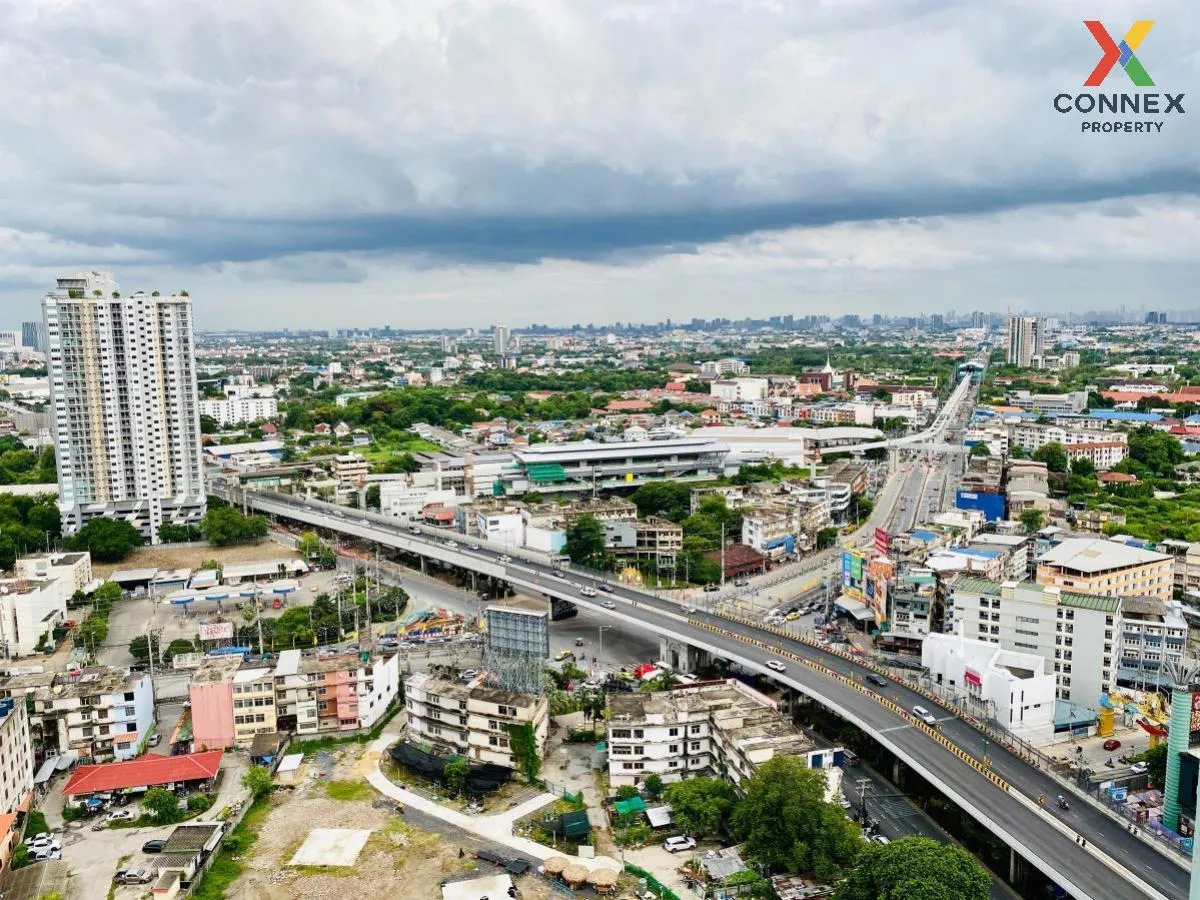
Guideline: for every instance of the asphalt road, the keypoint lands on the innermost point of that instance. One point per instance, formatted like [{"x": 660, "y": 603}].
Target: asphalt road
[{"x": 1036, "y": 838}]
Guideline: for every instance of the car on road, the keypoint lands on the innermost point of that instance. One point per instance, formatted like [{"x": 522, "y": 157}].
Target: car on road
[
  {"x": 1112, "y": 744},
  {"x": 924, "y": 715},
  {"x": 413, "y": 529},
  {"x": 474, "y": 548},
  {"x": 467, "y": 674},
  {"x": 154, "y": 846},
  {"x": 608, "y": 604},
  {"x": 880, "y": 839},
  {"x": 793, "y": 615},
  {"x": 587, "y": 592},
  {"x": 711, "y": 588},
  {"x": 741, "y": 582},
  {"x": 690, "y": 610},
  {"x": 559, "y": 573},
  {"x": 678, "y": 843},
  {"x": 154, "y": 741},
  {"x": 1139, "y": 768},
  {"x": 607, "y": 588},
  {"x": 504, "y": 558},
  {"x": 776, "y": 665},
  {"x": 877, "y": 680}
]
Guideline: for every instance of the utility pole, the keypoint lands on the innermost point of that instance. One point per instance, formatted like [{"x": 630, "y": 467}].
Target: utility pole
[
  {"x": 863, "y": 784},
  {"x": 722, "y": 554}
]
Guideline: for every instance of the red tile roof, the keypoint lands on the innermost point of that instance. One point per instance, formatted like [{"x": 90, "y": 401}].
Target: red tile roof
[{"x": 145, "y": 771}]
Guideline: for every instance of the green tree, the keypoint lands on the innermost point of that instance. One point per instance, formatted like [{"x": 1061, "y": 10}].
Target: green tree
[
  {"x": 455, "y": 773},
  {"x": 915, "y": 868},
  {"x": 653, "y": 785},
  {"x": 701, "y": 806},
  {"x": 1033, "y": 520},
  {"x": 626, "y": 792},
  {"x": 1083, "y": 467},
  {"x": 372, "y": 496},
  {"x": 258, "y": 781},
  {"x": 980, "y": 450},
  {"x": 1157, "y": 451},
  {"x": 786, "y": 823},
  {"x": 162, "y": 806},
  {"x": 668, "y": 499},
  {"x": 826, "y": 537},
  {"x": 585, "y": 543},
  {"x": 1156, "y": 763},
  {"x": 108, "y": 540},
  {"x": 225, "y": 525},
  {"x": 309, "y": 545},
  {"x": 523, "y": 742},
  {"x": 1053, "y": 454},
  {"x": 139, "y": 648}
]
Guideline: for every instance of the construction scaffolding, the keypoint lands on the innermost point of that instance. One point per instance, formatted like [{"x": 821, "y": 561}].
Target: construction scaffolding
[{"x": 517, "y": 645}]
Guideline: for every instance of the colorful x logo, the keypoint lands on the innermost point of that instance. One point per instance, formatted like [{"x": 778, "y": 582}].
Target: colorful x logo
[{"x": 1120, "y": 53}]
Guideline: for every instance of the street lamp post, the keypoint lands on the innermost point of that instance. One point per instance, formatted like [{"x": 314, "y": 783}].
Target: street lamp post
[{"x": 600, "y": 651}]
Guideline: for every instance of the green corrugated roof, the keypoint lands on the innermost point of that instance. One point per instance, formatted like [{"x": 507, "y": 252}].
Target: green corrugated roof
[
  {"x": 542, "y": 473},
  {"x": 1067, "y": 599}
]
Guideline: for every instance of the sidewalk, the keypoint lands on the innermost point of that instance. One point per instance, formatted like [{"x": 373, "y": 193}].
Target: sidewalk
[{"x": 497, "y": 827}]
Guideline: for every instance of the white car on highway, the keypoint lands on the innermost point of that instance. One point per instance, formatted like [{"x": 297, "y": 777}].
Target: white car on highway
[
  {"x": 924, "y": 715},
  {"x": 776, "y": 666},
  {"x": 587, "y": 592}
]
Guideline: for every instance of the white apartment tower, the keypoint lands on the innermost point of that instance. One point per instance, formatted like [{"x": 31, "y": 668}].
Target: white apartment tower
[
  {"x": 500, "y": 339},
  {"x": 1026, "y": 341},
  {"x": 126, "y": 419}
]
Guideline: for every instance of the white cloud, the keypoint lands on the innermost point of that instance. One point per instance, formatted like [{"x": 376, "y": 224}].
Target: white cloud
[{"x": 185, "y": 136}]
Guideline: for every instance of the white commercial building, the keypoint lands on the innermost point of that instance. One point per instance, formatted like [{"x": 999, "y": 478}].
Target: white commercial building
[
  {"x": 73, "y": 570},
  {"x": 740, "y": 389},
  {"x": 233, "y": 410},
  {"x": 716, "y": 728},
  {"x": 1076, "y": 634},
  {"x": 406, "y": 497},
  {"x": 1026, "y": 341},
  {"x": 126, "y": 419},
  {"x": 1019, "y": 690},
  {"x": 471, "y": 719},
  {"x": 16, "y": 755},
  {"x": 28, "y": 611}
]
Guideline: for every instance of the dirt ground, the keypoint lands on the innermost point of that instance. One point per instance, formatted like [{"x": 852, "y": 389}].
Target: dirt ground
[
  {"x": 167, "y": 557},
  {"x": 396, "y": 853}
]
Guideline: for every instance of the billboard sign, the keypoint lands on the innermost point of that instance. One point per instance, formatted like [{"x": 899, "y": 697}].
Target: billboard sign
[
  {"x": 881, "y": 541},
  {"x": 216, "y": 631}
]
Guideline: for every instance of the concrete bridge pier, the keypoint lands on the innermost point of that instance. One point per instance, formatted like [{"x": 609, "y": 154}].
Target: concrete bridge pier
[{"x": 680, "y": 656}]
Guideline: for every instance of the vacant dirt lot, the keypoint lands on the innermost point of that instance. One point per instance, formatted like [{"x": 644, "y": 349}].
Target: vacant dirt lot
[
  {"x": 167, "y": 557},
  {"x": 398, "y": 860}
]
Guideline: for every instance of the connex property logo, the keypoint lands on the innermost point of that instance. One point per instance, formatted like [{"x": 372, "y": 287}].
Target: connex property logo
[{"x": 1137, "y": 111}]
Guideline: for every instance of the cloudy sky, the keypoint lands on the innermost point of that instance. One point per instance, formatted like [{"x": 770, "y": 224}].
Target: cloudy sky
[{"x": 426, "y": 163}]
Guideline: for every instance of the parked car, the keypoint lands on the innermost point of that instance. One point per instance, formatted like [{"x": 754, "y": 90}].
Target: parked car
[
  {"x": 563, "y": 655},
  {"x": 40, "y": 838},
  {"x": 121, "y": 815},
  {"x": 1112, "y": 744},
  {"x": 776, "y": 665},
  {"x": 741, "y": 582},
  {"x": 154, "y": 846},
  {"x": 712, "y": 588},
  {"x": 154, "y": 741},
  {"x": 1138, "y": 768},
  {"x": 44, "y": 853},
  {"x": 924, "y": 715},
  {"x": 679, "y": 842},
  {"x": 136, "y": 876}
]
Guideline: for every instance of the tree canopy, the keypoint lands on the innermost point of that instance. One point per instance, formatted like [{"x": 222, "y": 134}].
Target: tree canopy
[
  {"x": 701, "y": 806},
  {"x": 915, "y": 868},
  {"x": 224, "y": 525},
  {"x": 785, "y": 822},
  {"x": 108, "y": 540},
  {"x": 1053, "y": 454},
  {"x": 585, "y": 543}
]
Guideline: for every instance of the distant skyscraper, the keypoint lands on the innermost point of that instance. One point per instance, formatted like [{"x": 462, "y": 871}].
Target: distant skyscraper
[
  {"x": 1025, "y": 340},
  {"x": 126, "y": 420},
  {"x": 449, "y": 345},
  {"x": 500, "y": 340},
  {"x": 32, "y": 336}
]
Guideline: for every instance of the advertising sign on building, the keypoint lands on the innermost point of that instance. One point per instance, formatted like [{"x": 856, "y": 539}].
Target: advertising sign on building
[
  {"x": 216, "y": 631},
  {"x": 881, "y": 541},
  {"x": 1195, "y": 726}
]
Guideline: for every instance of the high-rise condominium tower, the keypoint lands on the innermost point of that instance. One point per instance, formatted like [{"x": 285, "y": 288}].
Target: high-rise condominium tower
[
  {"x": 123, "y": 389},
  {"x": 1026, "y": 341}
]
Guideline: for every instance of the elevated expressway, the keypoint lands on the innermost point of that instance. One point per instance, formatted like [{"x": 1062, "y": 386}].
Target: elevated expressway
[{"x": 1113, "y": 865}]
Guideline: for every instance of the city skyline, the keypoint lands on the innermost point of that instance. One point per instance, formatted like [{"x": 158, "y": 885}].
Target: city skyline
[{"x": 406, "y": 162}]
